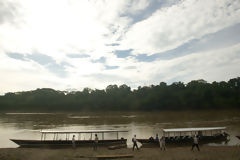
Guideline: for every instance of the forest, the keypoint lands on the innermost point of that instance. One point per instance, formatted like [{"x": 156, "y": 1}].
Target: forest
[{"x": 197, "y": 94}]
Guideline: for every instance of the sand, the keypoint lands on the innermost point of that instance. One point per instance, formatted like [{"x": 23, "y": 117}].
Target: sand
[{"x": 178, "y": 153}]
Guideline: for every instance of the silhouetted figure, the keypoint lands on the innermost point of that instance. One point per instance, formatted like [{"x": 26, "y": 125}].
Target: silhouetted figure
[
  {"x": 195, "y": 143},
  {"x": 73, "y": 142},
  {"x": 134, "y": 140},
  {"x": 162, "y": 143},
  {"x": 157, "y": 139},
  {"x": 95, "y": 145}
]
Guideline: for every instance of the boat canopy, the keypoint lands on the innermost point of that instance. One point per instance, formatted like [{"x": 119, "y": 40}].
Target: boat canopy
[
  {"x": 79, "y": 132},
  {"x": 193, "y": 129},
  {"x": 82, "y": 131}
]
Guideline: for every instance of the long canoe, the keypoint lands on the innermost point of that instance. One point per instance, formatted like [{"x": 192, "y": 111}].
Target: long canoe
[
  {"x": 67, "y": 143},
  {"x": 56, "y": 142},
  {"x": 184, "y": 136}
]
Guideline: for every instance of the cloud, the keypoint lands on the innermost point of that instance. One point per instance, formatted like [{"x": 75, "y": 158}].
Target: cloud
[
  {"x": 149, "y": 8},
  {"x": 58, "y": 69},
  {"x": 78, "y": 55},
  {"x": 16, "y": 56},
  {"x": 123, "y": 53},
  {"x": 22, "y": 75},
  {"x": 131, "y": 67},
  {"x": 171, "y": 27},
  {"x": 94, "y": 43},
  {"x": 106, "y": 79},
  {"x": 44, "y": 60},
  {"x": 49, "y": 63},
  {"x": 8, "y": 11},
  {"x": 113, "y": 44},
  {"x": 146, "y": 58},
  {"x": 100, "y": 60},
  {"x": 111, "y": 67},
  {"x": 214, "y": 65},
  {"x": 40, "y": 58},
  {"x": 221, "y": 39}
]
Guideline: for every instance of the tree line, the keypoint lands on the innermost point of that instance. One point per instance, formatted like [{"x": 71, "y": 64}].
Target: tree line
[{"x": 197, "y": 94}]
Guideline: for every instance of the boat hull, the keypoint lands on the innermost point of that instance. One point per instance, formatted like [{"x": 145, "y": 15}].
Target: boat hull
[
  {"x": 183, "y": 141},
  {"x": 66, "y": 143}
]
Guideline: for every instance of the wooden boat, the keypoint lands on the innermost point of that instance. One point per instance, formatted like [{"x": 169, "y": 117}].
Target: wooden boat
[
  {"x": 118, "y": 156},
  {"x": 114, "y": 156},
  {"x": 119, "y": 146},
  {"x": 67, "y": 142},
  {"x": 184, "y": 136}
]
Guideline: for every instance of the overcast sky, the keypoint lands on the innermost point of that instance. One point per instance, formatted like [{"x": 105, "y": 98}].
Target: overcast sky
[{"x": 73, "y": 44}]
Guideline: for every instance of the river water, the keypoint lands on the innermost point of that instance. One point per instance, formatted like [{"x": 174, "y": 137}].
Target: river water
[{"x": 143, "y": 124}]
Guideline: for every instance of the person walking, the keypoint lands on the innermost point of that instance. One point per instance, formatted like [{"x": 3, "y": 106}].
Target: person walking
[
  {"x": 95, "y": 145},
  {"x": 73, "y": 142},
  {"x": 134, "y": 140},
  {"x": 195, "y": 143}
]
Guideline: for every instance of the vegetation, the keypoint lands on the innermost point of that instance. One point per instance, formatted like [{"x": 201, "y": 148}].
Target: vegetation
[{"x": 197, "y": 94}]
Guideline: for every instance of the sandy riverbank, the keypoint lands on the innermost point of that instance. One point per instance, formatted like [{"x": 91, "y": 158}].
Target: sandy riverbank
[{"x": 179, "y": 153}]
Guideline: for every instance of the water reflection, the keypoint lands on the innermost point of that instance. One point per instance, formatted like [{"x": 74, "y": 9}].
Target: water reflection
[{"x": 144, "y": 124}]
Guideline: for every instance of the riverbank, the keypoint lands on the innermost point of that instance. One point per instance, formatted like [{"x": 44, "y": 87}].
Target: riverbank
[{"x": 182, "y": 153}]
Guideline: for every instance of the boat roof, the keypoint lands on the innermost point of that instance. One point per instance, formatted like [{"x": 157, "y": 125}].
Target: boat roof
[
  {"x": 82, "y": 131},
  {"x": 193, "y": 129}
]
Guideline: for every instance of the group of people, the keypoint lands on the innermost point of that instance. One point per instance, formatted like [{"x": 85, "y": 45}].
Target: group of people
[
  {"x": 162, "y": 143},
  {"x": 95, "y": 145}
]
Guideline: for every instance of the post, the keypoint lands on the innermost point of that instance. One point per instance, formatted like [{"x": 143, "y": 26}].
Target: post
[
  {"x": 44, "y": 136},
  {"x": 41, "y": 136}
]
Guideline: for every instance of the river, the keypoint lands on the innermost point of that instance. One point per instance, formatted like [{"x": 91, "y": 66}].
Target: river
[{"x": 143, "y": 124}]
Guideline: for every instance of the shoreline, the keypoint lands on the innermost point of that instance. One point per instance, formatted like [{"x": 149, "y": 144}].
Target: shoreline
[{"x": 205, "y": 153}]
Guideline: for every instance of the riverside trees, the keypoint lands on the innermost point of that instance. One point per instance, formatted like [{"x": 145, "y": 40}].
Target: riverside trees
[{"x": 197, "y": 94}]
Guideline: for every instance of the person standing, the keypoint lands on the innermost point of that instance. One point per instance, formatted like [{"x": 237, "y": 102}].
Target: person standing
[
  {"x": 73, "y": 142},
  {"x": 95, "y": 142},
  {"x": 134, "y": 140},
  {"x": 162, "y": 143},
  {"x": 157, "y": 139},
  {"x": 195, "y": 143}
]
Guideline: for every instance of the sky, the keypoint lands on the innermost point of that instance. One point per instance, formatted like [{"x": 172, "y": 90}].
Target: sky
[{"x": 74, "y": 44}]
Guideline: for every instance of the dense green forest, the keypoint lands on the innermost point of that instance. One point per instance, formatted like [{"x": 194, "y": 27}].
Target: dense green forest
[{"x": 197, "y": 94}]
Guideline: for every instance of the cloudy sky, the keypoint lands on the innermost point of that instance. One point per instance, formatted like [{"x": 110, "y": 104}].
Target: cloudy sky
[{"x": 73, "y": 44}]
